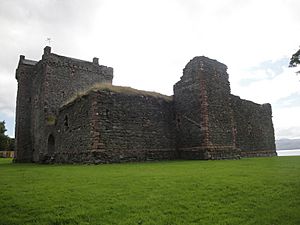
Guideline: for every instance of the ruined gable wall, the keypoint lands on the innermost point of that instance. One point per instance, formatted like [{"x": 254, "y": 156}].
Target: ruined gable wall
[{"x": 254, "y": 128}]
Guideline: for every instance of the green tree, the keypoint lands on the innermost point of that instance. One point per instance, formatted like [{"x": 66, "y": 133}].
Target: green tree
[
  {"x": 11, "y": 146},
  {"x": 2, "y": 127},
  {"x": 295, "y": 60},
  {"x": 4, "y": 139}
]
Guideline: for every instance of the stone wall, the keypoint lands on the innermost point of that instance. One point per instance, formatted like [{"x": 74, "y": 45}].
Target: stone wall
[
  {"x": 204, "y": 116},
  {"x": 114, "y": 126},
  {"x": 132, "y": 126},
  {"x": 48, "y": 84},
  {"x": 191, "y": 115},
  {"x": 73, "y": 133},
  {"x": 38, "y": 121},
  {"x": 254, "y": 128},
  {"x": 220, "y": 116},
  {"x": 23, "y": 111},
  {"x": 63, "y": 115},
  {"x": 66, "y": 78}
]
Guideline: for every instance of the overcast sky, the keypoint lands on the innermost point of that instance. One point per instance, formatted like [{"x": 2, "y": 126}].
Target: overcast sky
[{"x": 149, "y": 42}]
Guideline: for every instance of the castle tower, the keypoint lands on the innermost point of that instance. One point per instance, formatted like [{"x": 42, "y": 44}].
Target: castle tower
[
  {"x": 43, "y": 87},
  {"x": 205, "y": 126},
  {"x": 24, "y": 76}
]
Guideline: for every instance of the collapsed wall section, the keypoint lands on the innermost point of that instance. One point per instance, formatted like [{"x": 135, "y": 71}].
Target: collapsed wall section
[{"x": 253, "y": 127}]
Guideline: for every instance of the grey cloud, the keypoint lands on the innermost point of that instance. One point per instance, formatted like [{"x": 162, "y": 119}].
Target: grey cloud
[
  {"x": 47, "y": 11},
  {"x": 26, "y": 24},
  {"x": 8, "y": 89},
  {"x": 291, "y": 132}
]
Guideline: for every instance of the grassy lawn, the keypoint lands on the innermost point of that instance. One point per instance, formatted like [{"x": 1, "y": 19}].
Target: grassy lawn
[{"x": 247, "y": 191}]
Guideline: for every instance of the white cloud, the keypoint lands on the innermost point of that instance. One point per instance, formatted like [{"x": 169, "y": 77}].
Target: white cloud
[
  {"x": 291, "y": 132},
  {"x": 8, "y": 90},
  {"x": 268, "y": 90}
]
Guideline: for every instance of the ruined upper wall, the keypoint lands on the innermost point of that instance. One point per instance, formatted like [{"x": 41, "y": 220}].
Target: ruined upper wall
[
  {"x": 204, "y": 117},
  {"x": 202, "y": 63},
  {"x": 253, "y": 127}
]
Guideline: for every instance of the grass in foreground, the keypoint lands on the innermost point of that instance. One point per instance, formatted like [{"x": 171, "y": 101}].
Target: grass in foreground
[{"x": 248, "y": 191}]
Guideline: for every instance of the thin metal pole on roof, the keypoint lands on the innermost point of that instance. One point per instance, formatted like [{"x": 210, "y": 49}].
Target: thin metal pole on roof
[{"x": 48, "y": 40}]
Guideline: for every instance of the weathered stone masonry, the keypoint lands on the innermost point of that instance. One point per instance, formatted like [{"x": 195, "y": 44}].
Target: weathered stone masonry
[
  {"x": 68, "y": 111},
  {"x": 206, "y": 119},
  {"x": 42, "y": 88}
]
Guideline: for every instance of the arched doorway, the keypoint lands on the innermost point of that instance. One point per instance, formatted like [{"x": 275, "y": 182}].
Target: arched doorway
[{"x": 51, "y": 144}]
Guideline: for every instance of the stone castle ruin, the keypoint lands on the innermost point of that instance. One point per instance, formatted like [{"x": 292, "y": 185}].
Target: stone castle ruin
[{"x": 68, "y": 111}]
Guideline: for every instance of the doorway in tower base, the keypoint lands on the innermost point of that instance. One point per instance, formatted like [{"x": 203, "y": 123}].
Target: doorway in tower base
[{"x": 51, "y": 144}]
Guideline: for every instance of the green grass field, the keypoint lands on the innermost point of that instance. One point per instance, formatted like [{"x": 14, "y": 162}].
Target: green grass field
[{"x": 248, "y": 191}]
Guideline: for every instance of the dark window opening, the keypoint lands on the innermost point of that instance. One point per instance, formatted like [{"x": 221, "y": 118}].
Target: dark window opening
[
  {"x": 249, "y": 128},
  {"x": 107, "y": 112},
  {"x": 178, "y": 122},
  {"x": 66, "y": 122},
  {"x": 51, "y": 145}
]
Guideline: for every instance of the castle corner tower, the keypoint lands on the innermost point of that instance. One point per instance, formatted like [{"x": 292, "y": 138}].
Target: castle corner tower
[{"x": 205, "y": 124}]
